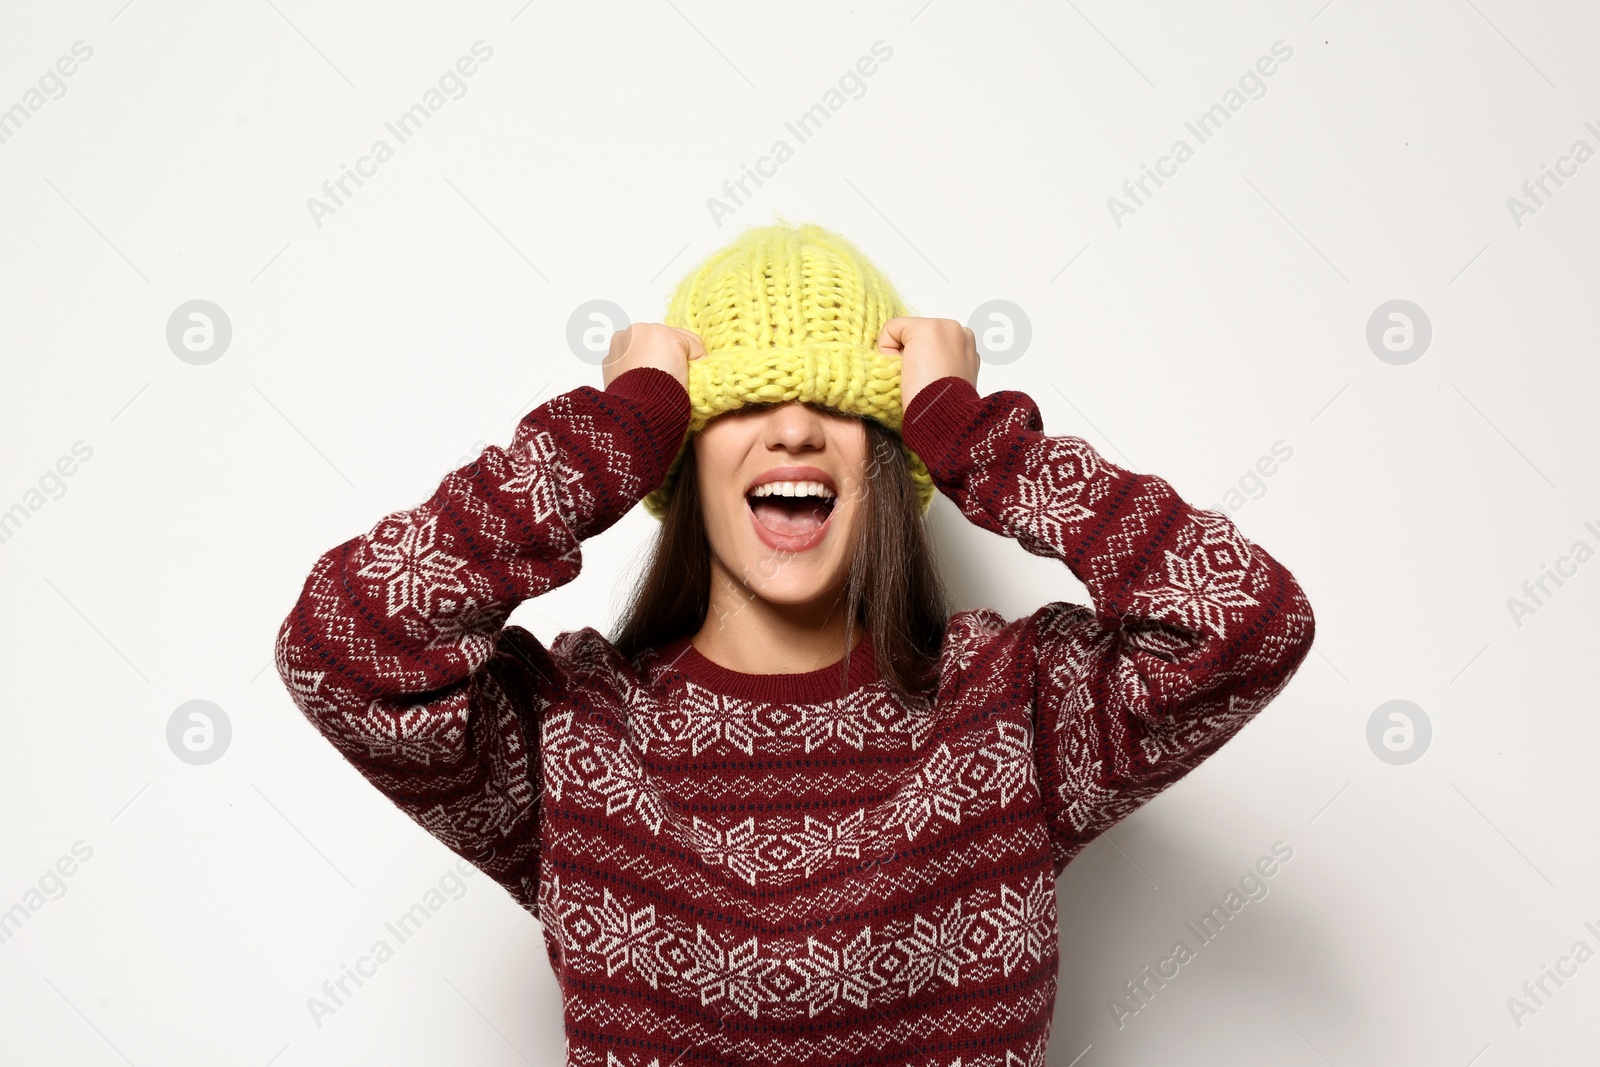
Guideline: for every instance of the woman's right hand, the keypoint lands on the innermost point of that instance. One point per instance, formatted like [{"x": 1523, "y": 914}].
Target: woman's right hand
[{"x": 651, "y": 344}]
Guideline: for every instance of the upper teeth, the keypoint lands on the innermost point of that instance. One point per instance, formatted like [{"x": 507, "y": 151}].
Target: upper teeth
[{"x": 792, "y": 489}]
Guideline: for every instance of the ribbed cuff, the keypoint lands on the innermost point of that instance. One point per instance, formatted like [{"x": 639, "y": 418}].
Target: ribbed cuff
[
  {"x": 652, "y": 388},
  {"x": 936, "y": 419},
  {"x": 662, "y": 404}
]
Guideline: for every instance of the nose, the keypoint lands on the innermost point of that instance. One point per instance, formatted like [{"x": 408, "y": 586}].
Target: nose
[{"x": 793, "y": 427}]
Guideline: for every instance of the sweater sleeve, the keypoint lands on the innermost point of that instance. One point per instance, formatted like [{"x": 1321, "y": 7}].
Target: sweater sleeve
[
  {"x": 397, "y": 649},
  {"x": 1193, "y": 630}
]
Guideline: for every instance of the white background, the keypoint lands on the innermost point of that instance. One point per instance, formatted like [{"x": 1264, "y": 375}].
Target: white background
[{"x": 379, "y": 350}]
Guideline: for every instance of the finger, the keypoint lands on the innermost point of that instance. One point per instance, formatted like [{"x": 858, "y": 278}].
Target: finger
[
  {"x": 697, "y": 347},
  {"x": 619, "y": 344},
  {"x": 890, "y": 337}
]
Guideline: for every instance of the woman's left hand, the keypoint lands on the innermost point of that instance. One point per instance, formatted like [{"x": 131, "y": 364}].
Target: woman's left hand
[{"x": 929, "y": 349}]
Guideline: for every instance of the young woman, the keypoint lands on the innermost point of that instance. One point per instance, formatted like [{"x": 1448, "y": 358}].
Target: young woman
[{"x": 795, "y": 812}]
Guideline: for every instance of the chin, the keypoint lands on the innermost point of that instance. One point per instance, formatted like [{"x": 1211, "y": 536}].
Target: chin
[
  {"x": 787, "y": 570},
  {"x": 781, "y": 580}
]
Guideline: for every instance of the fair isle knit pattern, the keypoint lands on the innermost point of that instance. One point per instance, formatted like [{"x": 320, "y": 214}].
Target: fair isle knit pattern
[{"x": 752, "y": 869}]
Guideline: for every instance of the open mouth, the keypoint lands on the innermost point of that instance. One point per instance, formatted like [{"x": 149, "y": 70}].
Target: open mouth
[{"x": 791, "y": 509}]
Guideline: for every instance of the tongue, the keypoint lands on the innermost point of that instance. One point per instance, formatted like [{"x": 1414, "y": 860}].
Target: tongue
[{"x": 789, "y": 516}]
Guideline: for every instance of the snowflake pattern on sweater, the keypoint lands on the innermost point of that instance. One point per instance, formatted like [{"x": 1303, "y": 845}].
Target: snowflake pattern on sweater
[{"x": 753, "y": 869}]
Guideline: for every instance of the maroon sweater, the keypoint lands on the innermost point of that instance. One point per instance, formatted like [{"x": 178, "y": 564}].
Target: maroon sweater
[{"x": 734, "y": 868}]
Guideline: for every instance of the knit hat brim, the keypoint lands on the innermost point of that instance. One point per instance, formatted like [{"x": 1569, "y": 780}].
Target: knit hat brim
[{"x": 849, "y": 380}]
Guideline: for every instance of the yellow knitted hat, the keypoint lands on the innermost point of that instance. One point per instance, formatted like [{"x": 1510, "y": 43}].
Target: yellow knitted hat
[{"x": 789, "y": 313}]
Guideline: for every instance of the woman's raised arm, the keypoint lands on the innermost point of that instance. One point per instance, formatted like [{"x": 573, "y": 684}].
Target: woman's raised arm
[
  {"x": 1193, "y": 630},
  {"x": 397, "y": 648}
]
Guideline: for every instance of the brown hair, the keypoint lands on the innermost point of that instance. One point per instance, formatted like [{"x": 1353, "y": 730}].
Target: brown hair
[{"x": 893, "y": 588}]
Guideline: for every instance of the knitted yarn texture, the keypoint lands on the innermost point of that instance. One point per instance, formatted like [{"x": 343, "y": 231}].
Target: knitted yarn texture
[{"x": 789, "y": 313}]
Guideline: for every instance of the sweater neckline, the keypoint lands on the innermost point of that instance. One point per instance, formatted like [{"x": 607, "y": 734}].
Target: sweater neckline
[{"x": 808, "y": 687}]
